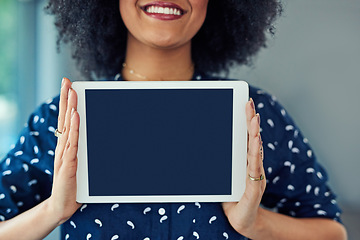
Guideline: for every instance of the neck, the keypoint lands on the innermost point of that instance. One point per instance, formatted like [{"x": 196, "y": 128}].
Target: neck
[{"x": 159, "y": 64}]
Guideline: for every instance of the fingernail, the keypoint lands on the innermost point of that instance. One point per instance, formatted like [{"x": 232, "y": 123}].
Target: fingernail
[
  {"x": 62, "y": 82},
  {"x": 258, "y": 117},
  {"x": 259, "y": 138},
  {"x": 69, "y": 92},
  {"x": 72, "y": 112},
  {"x": 252, "y": 104}
]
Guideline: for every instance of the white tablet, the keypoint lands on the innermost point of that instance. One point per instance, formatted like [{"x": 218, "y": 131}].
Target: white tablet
[{"x": 164, "y": 141}]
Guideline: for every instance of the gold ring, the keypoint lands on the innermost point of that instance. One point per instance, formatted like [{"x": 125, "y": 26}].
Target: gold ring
[
  {"x": 57, "y": 133},
  {"x": 256, "y": 179}
]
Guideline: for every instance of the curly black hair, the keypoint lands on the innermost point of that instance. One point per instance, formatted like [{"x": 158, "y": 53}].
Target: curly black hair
[{"x": 233, "y": 32}]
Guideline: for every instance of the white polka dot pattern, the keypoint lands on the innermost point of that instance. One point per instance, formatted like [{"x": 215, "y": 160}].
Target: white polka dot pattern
[{"x": 296, "y": 184}]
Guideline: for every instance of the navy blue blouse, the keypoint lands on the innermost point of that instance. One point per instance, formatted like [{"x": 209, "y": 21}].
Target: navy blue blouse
[{"x": 296, "y": 184}]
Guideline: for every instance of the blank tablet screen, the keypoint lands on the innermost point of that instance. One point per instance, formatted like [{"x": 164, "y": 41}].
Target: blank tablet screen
[{"x": 144, "y": 142}]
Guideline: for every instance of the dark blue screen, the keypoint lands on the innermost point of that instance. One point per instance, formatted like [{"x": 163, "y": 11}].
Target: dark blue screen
[{"x": 159, "y": 141}]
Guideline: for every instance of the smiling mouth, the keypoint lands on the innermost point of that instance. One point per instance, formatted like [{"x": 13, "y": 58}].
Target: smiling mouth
[{"x": 165, "y": 9}]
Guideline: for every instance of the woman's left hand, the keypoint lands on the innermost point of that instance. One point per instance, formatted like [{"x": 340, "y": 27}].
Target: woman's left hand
[{"x": 244, "y": 216}]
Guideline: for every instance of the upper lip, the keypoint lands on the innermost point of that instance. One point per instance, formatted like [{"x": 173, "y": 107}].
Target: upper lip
[{"x": 164, "y": 5}]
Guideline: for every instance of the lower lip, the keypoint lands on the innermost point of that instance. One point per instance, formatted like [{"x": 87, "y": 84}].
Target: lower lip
[{"x": 163, "y": 16}]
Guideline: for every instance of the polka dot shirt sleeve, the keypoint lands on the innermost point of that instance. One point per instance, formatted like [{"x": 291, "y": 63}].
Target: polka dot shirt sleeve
[
  {"x": 296, "y": 182},
  {"x": 26, "y": 171}
]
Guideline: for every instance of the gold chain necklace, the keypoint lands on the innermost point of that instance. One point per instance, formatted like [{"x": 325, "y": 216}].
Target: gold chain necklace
[{"x": 143, "y": 77}]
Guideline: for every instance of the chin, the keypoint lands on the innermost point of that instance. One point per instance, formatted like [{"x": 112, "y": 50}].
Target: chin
[{"x": 166, "y": 41}]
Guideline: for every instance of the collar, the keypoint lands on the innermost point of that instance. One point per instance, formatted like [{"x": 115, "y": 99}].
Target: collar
[{"x": 197, "y": 77}]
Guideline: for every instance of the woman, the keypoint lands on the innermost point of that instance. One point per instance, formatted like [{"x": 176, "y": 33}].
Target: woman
[{"x": 165, "y": 40}]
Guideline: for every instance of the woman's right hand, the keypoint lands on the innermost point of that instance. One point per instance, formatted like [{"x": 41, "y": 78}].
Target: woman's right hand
[
  {"x": 63, "y": 197},
  {"x": 61, "y": 205}
]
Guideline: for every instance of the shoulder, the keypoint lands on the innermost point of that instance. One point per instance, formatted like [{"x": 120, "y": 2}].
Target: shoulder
[
  {"x": 277, "y": 125},
  {"x": 269, "y": 108},
  {"x": 37, "y": 140},
  {"x": 282, "y": 139},
  {"x": 26, "y": 172},
  {"x": 275, "y": 121},
  {"x": 44, "y": 118}
]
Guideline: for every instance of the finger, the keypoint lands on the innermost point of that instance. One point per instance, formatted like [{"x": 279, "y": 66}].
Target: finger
[
  {"x": 71, "y": 149},
  {"x": 254, "y": 140},
  {"x": 254, "y": 133},
  {"x": 71, "y": 104},
  {"x": 255, "y": 166},
  {"x": 250, "y": 111},
  {"x": 65, "y": 86}
]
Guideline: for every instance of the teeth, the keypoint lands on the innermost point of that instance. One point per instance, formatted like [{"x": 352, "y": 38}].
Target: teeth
[{"x": 162, "y": 10}]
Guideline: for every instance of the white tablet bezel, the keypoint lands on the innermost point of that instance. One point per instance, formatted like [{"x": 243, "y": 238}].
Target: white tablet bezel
[{"x": 239, "y": 143}]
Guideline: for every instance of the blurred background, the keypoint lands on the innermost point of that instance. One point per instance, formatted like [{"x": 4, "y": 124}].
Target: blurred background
[{"x": 311, "y": 65}]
